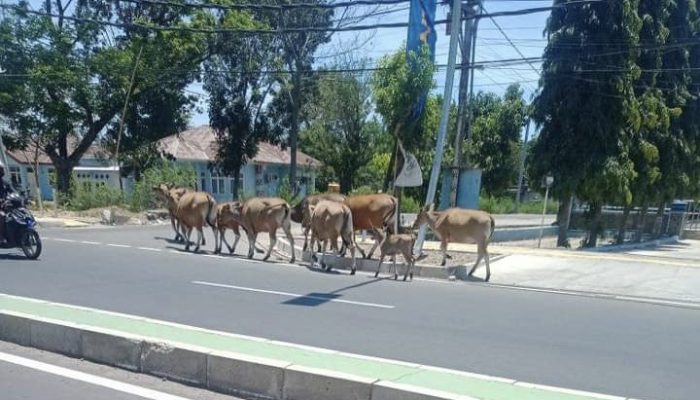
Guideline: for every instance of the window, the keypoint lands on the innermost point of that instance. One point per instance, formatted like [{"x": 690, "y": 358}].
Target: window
[
  {"x": 15, "y": 177},
  {"x": 217, "y": 185}
]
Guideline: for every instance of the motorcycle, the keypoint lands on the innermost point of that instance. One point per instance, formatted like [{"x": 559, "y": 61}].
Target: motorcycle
[{"x": 20, "y": 227}]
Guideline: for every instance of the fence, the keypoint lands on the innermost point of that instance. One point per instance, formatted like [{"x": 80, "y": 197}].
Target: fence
[{"x": 692, "y": 221}]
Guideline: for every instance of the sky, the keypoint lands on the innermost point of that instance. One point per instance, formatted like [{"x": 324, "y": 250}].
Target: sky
[{"x": 526, "y": 32}]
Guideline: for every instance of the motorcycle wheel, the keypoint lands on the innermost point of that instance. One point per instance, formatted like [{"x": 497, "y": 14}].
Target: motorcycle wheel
[{"x": 31, "y": 244}]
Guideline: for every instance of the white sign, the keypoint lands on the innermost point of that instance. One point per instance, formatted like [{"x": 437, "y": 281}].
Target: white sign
[{"x": 411, "y": 174}]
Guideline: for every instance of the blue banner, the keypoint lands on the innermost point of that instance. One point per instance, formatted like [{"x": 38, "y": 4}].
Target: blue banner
[{"x": 421, "y": 31}]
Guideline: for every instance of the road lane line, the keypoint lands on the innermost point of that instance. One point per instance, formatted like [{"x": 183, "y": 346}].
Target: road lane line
[
  {"x": 148, "y": 248},
  {"x": 89, "y": 378},
  {"x": 123, "y": 246},
  {"x": 89, "y": 242},
  {"x": 63, "y": 240},
  {"x": 288, "y": 294}
]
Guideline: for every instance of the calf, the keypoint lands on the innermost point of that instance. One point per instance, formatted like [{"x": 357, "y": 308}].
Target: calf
[
  {"x": 458, "y": 225},
  {"x": 225, "y": 219},
  {"x": 261, "y": 214},
  {"x": 330, "y": 220},
  {"x": 394, "y": 244}
]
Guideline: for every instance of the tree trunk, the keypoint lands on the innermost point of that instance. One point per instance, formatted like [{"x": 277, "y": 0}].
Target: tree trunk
[
  {"x": 623, "y": 225},
  {"x": 345, "y": 182},
  {"x": 642, "y": 222},
  {"x": 660, "y": 217},
  {"x": 594, "y": 228},
  {"x": 294, "y": 131},
  {"x": 236, "y": 184},
  {"x": 390, "y": 168},
  {"x": 64, "y": 171},
  {"x": 564, "y": 220}
]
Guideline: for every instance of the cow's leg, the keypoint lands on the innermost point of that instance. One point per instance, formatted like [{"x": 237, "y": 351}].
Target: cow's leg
[
  {"x": 251, "y": 243},
  {"x": 408, "y": 259},
  {"x": 324, "y": 266},
  {"x": 379, "y": 265},
  {"x": 176, "y": 228},
  {"x": 480, "y": 254},
  {"x": 396, "y": 269},
  {"x": 232, "y": 249},
  {"x": 273, "y": 242},
  {"x": 443, "y": 249},
  {"x": 200, "y": 238},
  {"x": 354, "y": 259},
  {"x": 377, "y": 239},
  {"x": 287, "y": 227},
  {"x": 219, "y": 243},
  {"x": 306, "y": 238},
  {"x": 187, "y": 238}
]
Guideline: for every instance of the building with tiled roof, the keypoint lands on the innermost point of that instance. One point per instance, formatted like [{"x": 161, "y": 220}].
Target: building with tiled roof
[{"x": 261, "y": 176}]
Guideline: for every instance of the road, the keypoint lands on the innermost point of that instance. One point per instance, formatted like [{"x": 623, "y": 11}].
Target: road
[
  {"x": 616, "y": 347},
  {"x": 63, "y": 378}
]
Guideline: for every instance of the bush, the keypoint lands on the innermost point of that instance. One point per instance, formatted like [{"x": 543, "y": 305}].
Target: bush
[
  {"x": 142, "y": 197},
  {"x": 506, "y": 205},
  {"x": 86, "y": 195},
  {"x": 361, "y": 190},
  {"x": 285, "y": 191},
  {"x": 409, "y": 205}
]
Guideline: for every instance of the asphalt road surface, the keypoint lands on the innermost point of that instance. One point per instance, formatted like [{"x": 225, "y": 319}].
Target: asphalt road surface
[
  {"x": 29, "y": 374},
  {"x": 621, "y": 348}
]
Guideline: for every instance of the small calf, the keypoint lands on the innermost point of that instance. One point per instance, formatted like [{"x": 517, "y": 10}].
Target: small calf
[{"x": 395, "y": 244}]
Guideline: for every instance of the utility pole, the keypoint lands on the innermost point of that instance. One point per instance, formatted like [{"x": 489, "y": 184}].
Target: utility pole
[
  {"x": 444, "y": 119},
  {"x": 521, "y": 174},
  {"x": 466, "y": 80}
]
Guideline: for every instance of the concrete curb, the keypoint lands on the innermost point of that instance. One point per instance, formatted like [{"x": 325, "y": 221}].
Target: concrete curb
[
  {"x": 634, "y": 246},
  {"x": 223, "y": 372}
]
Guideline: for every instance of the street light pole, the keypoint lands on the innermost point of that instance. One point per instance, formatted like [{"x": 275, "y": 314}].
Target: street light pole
[
  {"x": 444, "y": 118},
  {"x": 548, "y": 182}
]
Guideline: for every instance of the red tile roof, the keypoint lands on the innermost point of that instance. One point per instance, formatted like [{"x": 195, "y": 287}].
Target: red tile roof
[
  {"x": 26, "y": 156},
  {"x": 199, "y": 144}
]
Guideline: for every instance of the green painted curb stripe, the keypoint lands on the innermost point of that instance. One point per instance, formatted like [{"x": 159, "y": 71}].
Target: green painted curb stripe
[{"x": 451, "y": 382}]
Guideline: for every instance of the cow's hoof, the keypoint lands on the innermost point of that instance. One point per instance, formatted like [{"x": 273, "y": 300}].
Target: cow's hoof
[
  {"x": 396, "y": 277},
  {"x": 352, "y": 272},
  {"x": 404, "y": 278},
  {"x": 265, "y": 258},
  {"x": 292, "y": 260},
  {"x": 376, "y": 275},
  {"x": 443, "y": 263},
  {"x": 487, "y": 278}
]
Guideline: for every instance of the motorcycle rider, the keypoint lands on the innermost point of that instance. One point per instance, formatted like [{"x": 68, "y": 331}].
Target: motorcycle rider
[{"x": 5, "y": 190}]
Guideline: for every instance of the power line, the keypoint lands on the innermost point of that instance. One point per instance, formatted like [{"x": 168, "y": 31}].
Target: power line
[
  {"x": 278, "y": 7},
  {"x": 505, "y": 35}
]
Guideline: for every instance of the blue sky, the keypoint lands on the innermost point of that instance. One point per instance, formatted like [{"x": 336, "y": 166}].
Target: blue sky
[{"x": 524, "y": 31}]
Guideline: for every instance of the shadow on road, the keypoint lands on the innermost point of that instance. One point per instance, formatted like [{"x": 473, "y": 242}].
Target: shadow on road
[
  {"x": 13, "y": 257},
  {"x": 315, "y": 299}
]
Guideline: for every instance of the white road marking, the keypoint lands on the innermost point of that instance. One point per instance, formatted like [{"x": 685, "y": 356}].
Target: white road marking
[
  {"x": 88, "y": 378},
  {"x": 89, "y": 242},
  {"x": 148, "y": 248},
  {"x": 118, "y": 245},
  {"x": 64, "y": 240},
  {"x": 287, "y": 294}
]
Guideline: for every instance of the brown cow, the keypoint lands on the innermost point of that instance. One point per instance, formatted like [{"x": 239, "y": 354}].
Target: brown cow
[
  {"x": 459, "y": 225},
  {"x": 265, "y": 214},
  {"x": 373, "y": 212},
  {"x": 301, "y": 214},
  {"x": 330, "y": 220},
  {"x": 194, "y": 210},
  {"x": 226, "y": 220},
  {"x": 170, "y": 196},
  {"x": 394, "y": 244}
]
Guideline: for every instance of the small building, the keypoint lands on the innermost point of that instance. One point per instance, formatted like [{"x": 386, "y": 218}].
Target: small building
[
  {"x": 261, "y": 176},
  {"x": 93, "y": 169}
]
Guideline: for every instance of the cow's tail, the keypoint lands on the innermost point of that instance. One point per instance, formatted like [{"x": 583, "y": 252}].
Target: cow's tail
[
  {"x": 348, "y": 227},
  {"x": 493, "y": 226},
  {"x": 390, "y": 220},
  {"x": 211, "y": 208}
]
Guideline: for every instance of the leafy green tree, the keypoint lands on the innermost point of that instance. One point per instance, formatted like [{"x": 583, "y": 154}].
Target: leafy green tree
[
  {"x": 238, "y": 90},
  {"x": 586, "y": 105},
  {"x": 340, "y": 129},
  {"x": 73, "y": 77},
  {"x": 400, "y": 79},
  {"x": 496, "y": 137}
]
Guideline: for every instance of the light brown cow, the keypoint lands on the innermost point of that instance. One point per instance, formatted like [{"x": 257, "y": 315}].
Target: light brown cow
[
  {"x": 458, "y": 225},
  {"x": 394, "y": 244},
  {"x": 170, "y": 195},
  {"x": 265, "y": 214},
  {"x": 373, "y": 212},
  {"x": 301, "y": 214},
  {"x": 194, "y": 210},
  {"x": 330, "y": 220},
  {"x": 225, "y": 220}
]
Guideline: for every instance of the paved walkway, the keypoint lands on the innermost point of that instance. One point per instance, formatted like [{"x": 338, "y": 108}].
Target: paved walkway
[{"x": 426, "y": 377}]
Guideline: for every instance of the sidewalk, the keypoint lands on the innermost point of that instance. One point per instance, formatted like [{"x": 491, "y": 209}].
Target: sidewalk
[{"x": 156, "y": 345}]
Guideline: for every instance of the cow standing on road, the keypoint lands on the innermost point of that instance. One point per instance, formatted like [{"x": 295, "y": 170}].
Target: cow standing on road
[
  {"x": 170, "y": 196},
  {"x": 261, "y": 214},
  {"x": 373, "y": 212},
  {"x": 225, "y": 220},
  {"x": 194, "y": 210},
  {"x": 301, "y": 213},
  {"x": 458, "y": 225},
  {"x": 330, "y": 220}
]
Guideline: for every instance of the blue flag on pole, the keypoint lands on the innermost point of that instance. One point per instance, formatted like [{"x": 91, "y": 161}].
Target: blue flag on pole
[{"x": 421, "y": 30}]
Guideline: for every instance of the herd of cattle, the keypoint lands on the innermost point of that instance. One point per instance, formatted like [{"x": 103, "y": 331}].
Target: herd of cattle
[{"x": 328, "y": 217}]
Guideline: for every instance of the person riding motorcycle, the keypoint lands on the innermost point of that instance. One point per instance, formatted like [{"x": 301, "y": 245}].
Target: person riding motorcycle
[{"x": 5, "y": 190}]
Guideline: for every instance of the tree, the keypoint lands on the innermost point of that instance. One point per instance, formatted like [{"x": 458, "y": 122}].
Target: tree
[
  {"x": 238, "y": 90},
  {"x": 73, "y": 77},
  {"x": 400, "y": 79},
  {"x": 496, "y": 137},
  {"x": 586, "y": 105},
  {"x": 340, "y": 129}
]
